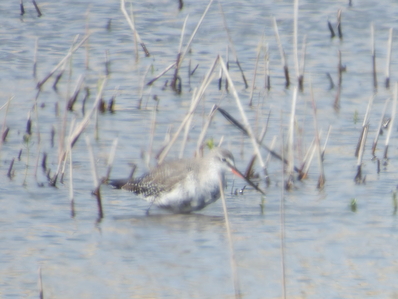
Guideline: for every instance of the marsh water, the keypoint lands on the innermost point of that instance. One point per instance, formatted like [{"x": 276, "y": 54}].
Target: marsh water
[{"x": 340, "y": 242}]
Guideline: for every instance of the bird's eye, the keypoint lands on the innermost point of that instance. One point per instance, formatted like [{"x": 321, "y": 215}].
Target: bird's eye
[{"x": 223, "y": 159}]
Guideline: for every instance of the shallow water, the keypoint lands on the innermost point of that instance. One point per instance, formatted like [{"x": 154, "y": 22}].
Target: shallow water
[{"x": 330, "y": 250}]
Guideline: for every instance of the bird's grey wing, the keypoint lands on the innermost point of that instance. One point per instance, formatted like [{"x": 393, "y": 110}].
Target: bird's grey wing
[{"x": 161, "y": 179}]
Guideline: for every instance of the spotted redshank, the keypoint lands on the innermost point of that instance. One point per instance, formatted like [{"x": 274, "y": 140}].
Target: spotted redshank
[{"x": 185, "y": 185}]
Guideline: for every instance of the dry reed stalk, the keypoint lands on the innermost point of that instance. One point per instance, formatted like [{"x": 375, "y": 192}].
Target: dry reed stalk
[
  {"x": 153, "y": 127},
  {"x": 131, "y": 24},
  {"x": 267, "y": 84},
  {"x": 10, "y": 171},
  {"x": 187, "y": 127},
  {"x": 162, "y": 73},
  {"x": 41, "y": 291},
  {"x": 340, "y": 71},
  {"x": 61, "y": 72},
  {"x": 326, "y": 141},
  {"x": 4, "y": 121},
  {"x": 40, "y": 84},
  {"x": 364, "y": 124},
  {"x": 83, "y": 124},
  {"x": 358, "y": 178},
  {"x": 234, "y": 266},
  {"x": 245, "y": 120},
  {"x": 339, "y": 30},
  {"x": 307, "y": 160},
  {"x": 204, "y": 129},
  {"x": 379, "y": 127},
  {"x": 331, "y": 30},
  {"x": 290, "y": 166},
  {"x": 295, "y": 37},
  {"x": 107, "y": 64},
  {"x": 199, "y": 94},
  {"x": 73, "y": 98},
  {"x": 21, "y": 7},
  {"x": 391, "y": 125},
  {"x": 372, "y": 42},
  {"x": 87, "y": 46},
  {"x": 283, "y": 55},
  {"x": 35, "y": 58},
  {"x": 389, "y": 47},
  {"x": 97, "y": 184},
  {"x": 71, "y": 195},
  {"x": 255, "y": 71},
  {"x": 302, "y": 64},
  {"x": 282, "y": 220},
  {"x": 39, "y": 14},
  {"x": 111, "y": 158},
  {"x": 330, "y": 81},
  {"x": 178, "y": 64},
  {"x": 322, "y": 178},
  {"x": 232, "y": 46}
]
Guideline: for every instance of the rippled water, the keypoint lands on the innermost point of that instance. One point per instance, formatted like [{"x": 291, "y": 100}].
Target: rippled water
[{"x": 330, "y": 250}]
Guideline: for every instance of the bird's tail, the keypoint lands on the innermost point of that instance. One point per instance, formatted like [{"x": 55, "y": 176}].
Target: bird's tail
[{"x": 117, "y": 183}]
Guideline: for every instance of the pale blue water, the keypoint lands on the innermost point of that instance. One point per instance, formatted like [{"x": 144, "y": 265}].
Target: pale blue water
[{"x": 330, "y": 251}]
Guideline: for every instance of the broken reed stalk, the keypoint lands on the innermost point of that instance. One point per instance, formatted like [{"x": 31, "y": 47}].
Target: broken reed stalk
[
  {"x": 283, "y": 56},
  {"x": 282, "y": 218},
  {"x": 364, "y": 123},
  {"x": 242, "y": 112},
  {"x": 307, "y": 160},
  {"x": 40, "y": 84},
  {"x": 41, "y": 292},
  {"x": 379, "y": 127},
  {"x": 161, "y": 74},
  {"x": 71, "y": 195},
  {"x": 35, "y": 57},
  {"x": 332, "y": 34},
  {"x": 73, "y": 98},
  {"x": 199, "y": 94},
  {"x": 39, "y": 14},
  {"x": 107, "y": 64},
  {"x": 358, "y": 177},
  {"x": 255, "y": 71},
  {"x": 61, "y": 72},
  {"x": 295, "y": 42},
  {"x": 241, "y": 127},
  {"x": 178, "y": 64},
  {"x": 87, "y": 46},
  {"x": 97, "y": 183},
  {"x": 388, "y": 59},
  {"x": 153, "y": 127},
  {"x": 232, "y": 46},
  {"x": 37, "y": 134},
  {"x": 322, "y": 179},
  {"x": 187, "y": 127},
  {"x": 21, "y": 7},
  {"x": 3, "y": 128},
  {"x": 204, "y": 129},
  {"x": 302, "y": 64},
  {"x": 339, "y": 30},
  {"x": 111, "y": 158},
  {"x": 10, "y": 172},
  {"x": 249, "y": 168},
  {"x": 340, "y": 80},
  {"x": 131, "y": 24},
  {"x": 83, "y": 124},
  {"x": 326, "y": 141},
  {"x": 290, "y": 166},
  {"x": 234, "y": 266},
  {"x": 391, "y": 125},
  {"x": 142, "y": 87},
  {"x": 372, "y": 42},
  {"x": 267, "y": 84}
]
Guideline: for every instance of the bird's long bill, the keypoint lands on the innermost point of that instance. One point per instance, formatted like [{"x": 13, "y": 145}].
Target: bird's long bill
[{"x": 239, "y": 174}]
